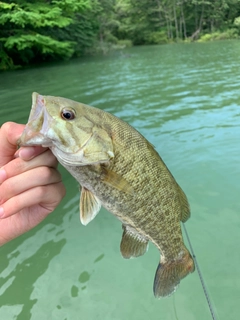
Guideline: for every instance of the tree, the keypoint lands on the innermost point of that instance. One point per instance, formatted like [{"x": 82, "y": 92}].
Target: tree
[{"x": 24, "y": 36}]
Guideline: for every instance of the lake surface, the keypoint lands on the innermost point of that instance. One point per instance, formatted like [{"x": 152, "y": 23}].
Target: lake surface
[{"x": 185, "y": 100}]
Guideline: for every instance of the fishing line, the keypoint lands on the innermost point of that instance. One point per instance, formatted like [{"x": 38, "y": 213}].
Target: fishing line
[
  {"x": 174, "y": 308},
  {"x": 200, "y": 275}
]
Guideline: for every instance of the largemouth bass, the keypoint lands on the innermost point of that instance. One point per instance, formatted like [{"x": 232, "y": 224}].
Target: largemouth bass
[{"x": 120, "y": 170}]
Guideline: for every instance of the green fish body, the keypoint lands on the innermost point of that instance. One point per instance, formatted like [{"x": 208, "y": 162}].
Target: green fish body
[{"x": 120, "y": 170}]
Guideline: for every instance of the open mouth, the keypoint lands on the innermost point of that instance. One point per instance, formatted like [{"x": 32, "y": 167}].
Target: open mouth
[{"x": 38, "y": 124}]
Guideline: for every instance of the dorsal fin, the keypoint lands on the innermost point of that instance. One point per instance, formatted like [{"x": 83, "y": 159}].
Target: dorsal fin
[{"x": 185, "y": 208}]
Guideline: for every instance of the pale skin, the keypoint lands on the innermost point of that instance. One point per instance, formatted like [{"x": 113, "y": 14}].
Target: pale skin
[{"x": 30, "y": 184}]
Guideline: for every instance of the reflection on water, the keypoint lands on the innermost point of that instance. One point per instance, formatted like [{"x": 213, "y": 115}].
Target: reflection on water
[
  {"x": 24, "y": 275},
  {"x": 184, "y": 99}
]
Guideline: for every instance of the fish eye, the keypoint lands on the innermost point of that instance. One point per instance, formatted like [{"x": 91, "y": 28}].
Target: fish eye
[{"x": 67, "y": 114}]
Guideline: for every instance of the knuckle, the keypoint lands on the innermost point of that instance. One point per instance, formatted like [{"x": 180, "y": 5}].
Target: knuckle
[
  {"x": 18, "y": 165},
  {"x": 41, "y": 192},
  {"x": 8, "y": 130},
  {"x": 17, "y": 202},
  {"x": 14, "y": 167},
  {"x": 51, "y": 158},
  {"x": 8, "y": 188},
  {"x": 6, "y": 127},
  {"x": 60, "y": 191},
  {"x": 8, "y": 185},
  {"x": 46, "y": 173},
  {"x": 47, "y": 155},
  {"x": 50, "y": 154}
]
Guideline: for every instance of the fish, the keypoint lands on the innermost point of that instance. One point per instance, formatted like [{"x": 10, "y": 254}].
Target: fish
[{"x": 117, "y": 168}]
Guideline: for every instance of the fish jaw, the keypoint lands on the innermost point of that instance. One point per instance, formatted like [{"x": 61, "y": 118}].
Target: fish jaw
[{"x": 37, "y": 130}]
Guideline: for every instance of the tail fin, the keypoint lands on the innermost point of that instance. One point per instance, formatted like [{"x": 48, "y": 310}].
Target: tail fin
[{"x": 169, "y": 274}]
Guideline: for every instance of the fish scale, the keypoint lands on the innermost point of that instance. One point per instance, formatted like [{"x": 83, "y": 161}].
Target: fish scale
[{"x": 120, "y": 170}]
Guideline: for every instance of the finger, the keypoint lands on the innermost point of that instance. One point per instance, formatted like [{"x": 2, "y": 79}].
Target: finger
[
  {"x": 26, "y": 219},
  {"x": 39, "y": 201},
  {"x": 18, "y": 166},
  {"x": 10, "y": 132},
  {"x": 28, "y": 153},
  {"x": 28, "y": 180}
]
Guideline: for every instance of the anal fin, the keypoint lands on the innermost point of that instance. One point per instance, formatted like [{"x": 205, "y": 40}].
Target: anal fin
[
  {"x": 133, "y": 244},
  {"x": 89, "y": 206}
]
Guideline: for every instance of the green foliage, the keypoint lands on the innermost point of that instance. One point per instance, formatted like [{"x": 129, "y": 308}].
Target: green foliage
[
  {"x": 37, "y": 15},
  {"x": 107, "y": 20},
  {"x": 42, "y": 30},
  {"x": 45, "y": 44},
  {"x": 5, "y": 61},
  {"x": 139, "y": 20},
  {"x": 237, "y": 22},
  {"x": 82, "y": 32},
  {"x": 157, "y": 37},
  {"x": 32, "y": 31},
  {"x": 124, "y": 43},
  {"x": 228, "y": 34},
  {"x": 70, "y": 6}
]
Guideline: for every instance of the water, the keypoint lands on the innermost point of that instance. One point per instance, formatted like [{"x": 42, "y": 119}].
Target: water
[{"x": 184, "y": 99}]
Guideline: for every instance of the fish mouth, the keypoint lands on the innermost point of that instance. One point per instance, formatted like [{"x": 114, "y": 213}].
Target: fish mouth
[{"x": 35, "y": 132}]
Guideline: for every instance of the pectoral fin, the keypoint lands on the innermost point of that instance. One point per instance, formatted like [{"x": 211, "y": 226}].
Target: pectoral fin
[
  {"x": 116, "y": 181},
  {"x": 133, "y": 244},
  {"x": 89, "y": 206}
]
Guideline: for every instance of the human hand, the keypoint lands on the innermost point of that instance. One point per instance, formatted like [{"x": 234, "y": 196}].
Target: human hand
[{"x": 30, "y": 185}]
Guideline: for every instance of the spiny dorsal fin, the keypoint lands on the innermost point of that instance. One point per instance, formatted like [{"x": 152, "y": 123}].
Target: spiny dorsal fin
[
  {"x": 89, "y": 206},
  {"x": 114, "y": 180},
  {"x": 132, "y": 244},
  {"x": 185, "y": 209}
]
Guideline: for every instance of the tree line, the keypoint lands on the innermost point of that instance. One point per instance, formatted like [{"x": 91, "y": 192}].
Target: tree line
[{"x": 44, "y": 30}]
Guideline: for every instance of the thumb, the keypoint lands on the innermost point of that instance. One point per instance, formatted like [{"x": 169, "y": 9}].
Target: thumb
[{"x": 10, "y": 132}]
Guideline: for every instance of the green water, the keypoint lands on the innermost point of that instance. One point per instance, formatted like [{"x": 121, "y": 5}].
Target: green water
[{"x": 185, "y": 100}]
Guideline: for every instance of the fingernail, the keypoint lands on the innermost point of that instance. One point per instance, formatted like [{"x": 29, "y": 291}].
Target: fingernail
[
  {"x": 1, "y": 212},
  {"x": 3, "y": 175},
  {"x": 27, "y": 153}
]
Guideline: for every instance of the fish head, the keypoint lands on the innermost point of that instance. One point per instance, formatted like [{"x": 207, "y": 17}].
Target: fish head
[{"x": 66, "y": 127}]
